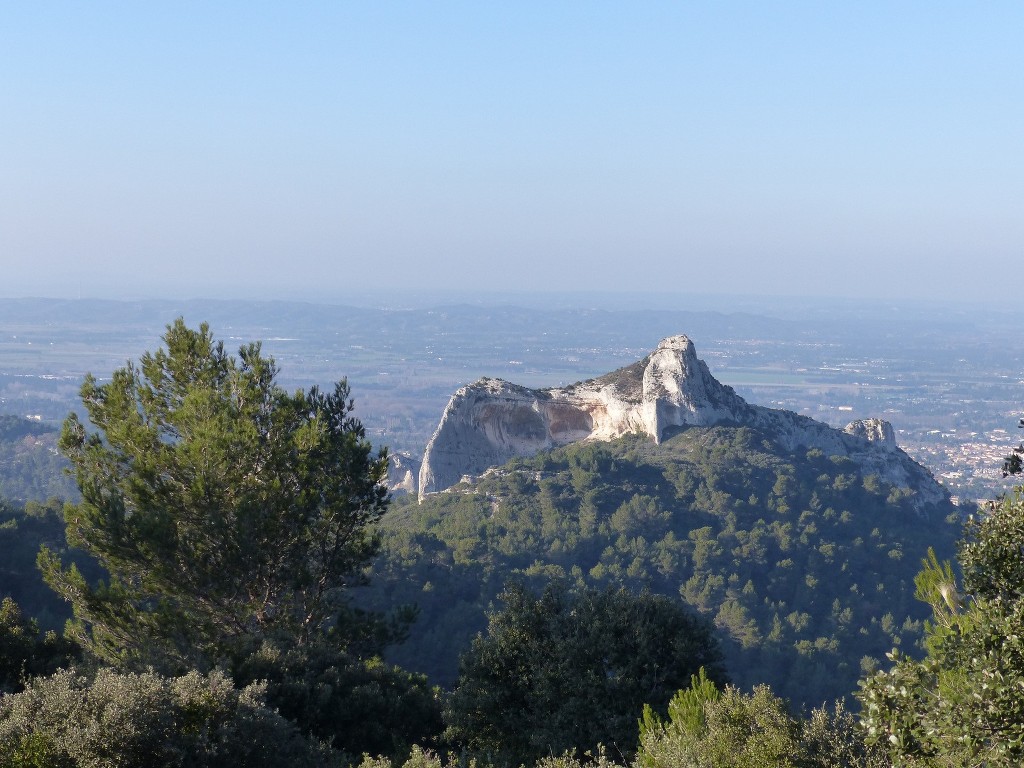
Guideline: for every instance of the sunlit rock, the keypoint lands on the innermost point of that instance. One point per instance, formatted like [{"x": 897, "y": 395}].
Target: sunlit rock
[{"x": 491, "y": 421}]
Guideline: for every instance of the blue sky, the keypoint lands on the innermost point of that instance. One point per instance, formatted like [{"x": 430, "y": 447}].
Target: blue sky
[{"x": 318, "y": 150}]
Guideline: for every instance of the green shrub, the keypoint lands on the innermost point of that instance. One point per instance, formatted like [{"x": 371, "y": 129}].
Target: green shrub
[
  {"x": 144, "y": 720},
  {"x": 708, "y": 728}
]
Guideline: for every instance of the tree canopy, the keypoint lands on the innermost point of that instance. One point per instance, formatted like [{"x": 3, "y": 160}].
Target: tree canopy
[
  {"x": 24, "y": 529},
  {"x": 24, "y": 651},
  {"x": 963, "y": 704},
  {"x": 30, "y": 467},
  {"x": 563, "y": 671},
  {"x": 227, "y": 511},
  {"x": 803, "y": 562}
]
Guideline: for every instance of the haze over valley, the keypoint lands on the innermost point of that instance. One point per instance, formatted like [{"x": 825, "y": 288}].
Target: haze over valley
[{"x": 947, "y": 379}]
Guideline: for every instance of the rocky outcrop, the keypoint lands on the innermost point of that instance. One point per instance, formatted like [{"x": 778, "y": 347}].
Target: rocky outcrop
[
  {"x": 875, "y": 430},
  {"x": 491, "y": 421},
  {"x": 403, "y": 473}
]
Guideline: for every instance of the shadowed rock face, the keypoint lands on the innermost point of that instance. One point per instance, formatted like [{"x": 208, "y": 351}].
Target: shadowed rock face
[{"x": 491, "y": 421}]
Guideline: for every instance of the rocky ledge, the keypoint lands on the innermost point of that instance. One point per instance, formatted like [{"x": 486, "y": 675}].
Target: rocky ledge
[{"x": 491, "y": 421}]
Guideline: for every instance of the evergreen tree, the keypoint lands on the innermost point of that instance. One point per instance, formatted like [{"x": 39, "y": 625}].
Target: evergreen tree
[
  {"x": 227, "y": 511},
  {"x": 963, "y": 704},
  {"x": 566, "y": 671}
]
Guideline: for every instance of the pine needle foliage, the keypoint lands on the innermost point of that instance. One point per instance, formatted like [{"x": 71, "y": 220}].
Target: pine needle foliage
[{"x": 226, "y": 510}]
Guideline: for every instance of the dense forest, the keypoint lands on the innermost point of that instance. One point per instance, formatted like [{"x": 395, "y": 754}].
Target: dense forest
[
  {"x": 31, "y": 468},
  {"x": 242, "y": 591},
  {"x": 804, "y": 565}
]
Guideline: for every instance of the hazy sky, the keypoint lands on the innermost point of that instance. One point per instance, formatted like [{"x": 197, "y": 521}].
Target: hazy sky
[{"x": 316, "y": 150}]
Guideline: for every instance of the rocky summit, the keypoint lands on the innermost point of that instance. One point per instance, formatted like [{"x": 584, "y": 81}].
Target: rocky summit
[{"x": 491, "y": 421}]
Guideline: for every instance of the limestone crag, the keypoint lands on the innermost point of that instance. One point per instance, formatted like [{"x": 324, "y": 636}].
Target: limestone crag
[
  {"x": 491, "y": 421},
  {"x": 875, "y": 430},
  {"x": 403, "y": 473}
]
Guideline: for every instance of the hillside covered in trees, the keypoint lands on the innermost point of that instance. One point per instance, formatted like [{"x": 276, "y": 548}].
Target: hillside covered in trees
[
  {"x": 31, "y": 468},
  {"x": 685, "y": 603},
  {"x": 805, "y": 565}
]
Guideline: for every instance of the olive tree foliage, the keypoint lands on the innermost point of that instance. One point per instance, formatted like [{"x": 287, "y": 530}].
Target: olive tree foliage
[
  {"x": 227, "y": 511},
  {"x": 143, "y": 720},
  {"x": 420, "y": 758},
  {"x": 963, "y": 704},
  {"x": 567, "y": 671}
]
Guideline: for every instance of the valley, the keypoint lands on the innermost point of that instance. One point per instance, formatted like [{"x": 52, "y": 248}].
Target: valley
[{"x": 948, "y": 380}]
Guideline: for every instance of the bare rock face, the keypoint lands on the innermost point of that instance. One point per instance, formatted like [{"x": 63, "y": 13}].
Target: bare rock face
[
  {"x": 403, "y": 473},
  {"x": 491, "y": 421},
  {"x": 875, "y": 430}
]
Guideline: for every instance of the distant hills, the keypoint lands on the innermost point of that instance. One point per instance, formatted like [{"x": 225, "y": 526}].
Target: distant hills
[{"x": 801, "y": 552}]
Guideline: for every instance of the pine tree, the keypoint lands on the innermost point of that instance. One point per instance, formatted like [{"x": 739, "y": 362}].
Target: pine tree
[{"x": 227, "y": 511}]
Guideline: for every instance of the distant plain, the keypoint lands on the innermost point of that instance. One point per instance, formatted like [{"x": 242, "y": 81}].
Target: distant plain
[{"x": 948, "y": 379}]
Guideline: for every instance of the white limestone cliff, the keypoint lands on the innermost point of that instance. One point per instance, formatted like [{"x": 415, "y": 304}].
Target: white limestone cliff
[
  {"x": 875, "y": 430},
  {"x": 403, "y": 473},
  {"x": 491, "y": 421}
]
